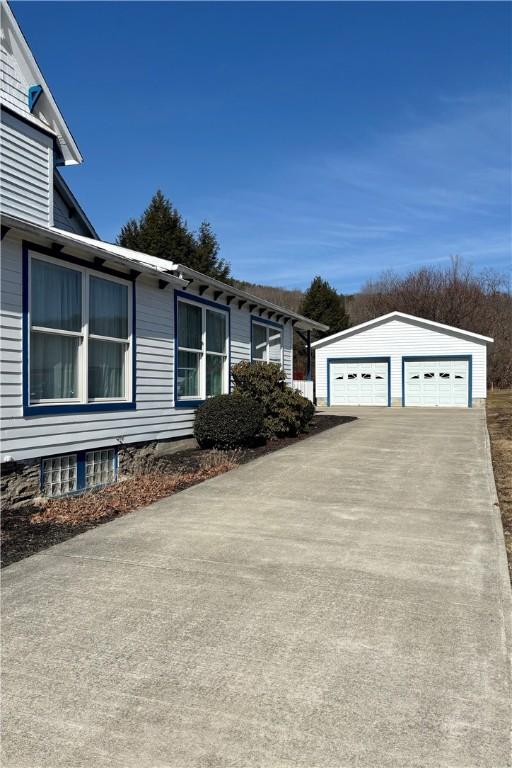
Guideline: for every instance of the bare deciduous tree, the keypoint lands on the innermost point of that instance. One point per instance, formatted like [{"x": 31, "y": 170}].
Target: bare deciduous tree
[{"x": 454, "y": 295}]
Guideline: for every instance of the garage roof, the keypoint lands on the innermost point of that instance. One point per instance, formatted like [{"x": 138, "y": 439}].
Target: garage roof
[{"x": 406, "y": 318}]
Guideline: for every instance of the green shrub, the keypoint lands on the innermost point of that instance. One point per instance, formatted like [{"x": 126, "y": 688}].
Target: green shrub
[
  {"x": 228, "y": 421},
  {"x": 287, "y": 413}
]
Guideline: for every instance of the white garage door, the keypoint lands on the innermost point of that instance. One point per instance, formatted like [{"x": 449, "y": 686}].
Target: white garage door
[
  {"x": 358, "y": 383},
  {"x": 436, "y": 382}
]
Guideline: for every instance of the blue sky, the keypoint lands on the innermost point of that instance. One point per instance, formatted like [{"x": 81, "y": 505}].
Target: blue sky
[{"x": 339, "y": 139}]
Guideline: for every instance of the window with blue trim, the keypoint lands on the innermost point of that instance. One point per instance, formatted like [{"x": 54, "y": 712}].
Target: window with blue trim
[
  {"x": 80, "y": 334},
  {"x": 202, "y": 341},
  {"x": 267, "y": 343}
]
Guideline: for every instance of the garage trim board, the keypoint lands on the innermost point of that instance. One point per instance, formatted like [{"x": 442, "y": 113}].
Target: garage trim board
[
  {"x": 358, "y": 360},
  {"x": 436, "y": 358}
]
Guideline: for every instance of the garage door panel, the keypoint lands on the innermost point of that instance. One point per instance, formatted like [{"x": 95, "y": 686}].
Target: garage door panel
[
  {"x": 436, "y": 382},
  {"x": 359, "y": 383}
]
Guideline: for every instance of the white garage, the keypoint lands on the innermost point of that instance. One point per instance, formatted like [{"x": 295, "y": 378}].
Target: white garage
[{"x": 399, "y": 359}]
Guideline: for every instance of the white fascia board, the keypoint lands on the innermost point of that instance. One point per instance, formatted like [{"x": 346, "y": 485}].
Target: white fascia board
[
  {"x": 302, "y": 322},
  {"x": 33, "y": 75},
  {"x": 121, "y": 256},
  {"x": 399, "y": 316}
]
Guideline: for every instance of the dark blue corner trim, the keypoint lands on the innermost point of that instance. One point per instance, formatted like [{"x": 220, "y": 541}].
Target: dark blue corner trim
[
  {"x": 192, "y": 298},
  {"x": 34, "y": 93},
  {"x": 39, "y": 409},
  {"x": 416, "y": 358},
  {"x": 357, "y": 360}
]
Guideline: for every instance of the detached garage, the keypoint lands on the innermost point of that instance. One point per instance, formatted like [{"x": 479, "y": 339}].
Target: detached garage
[{"x": 399, "y": 359}]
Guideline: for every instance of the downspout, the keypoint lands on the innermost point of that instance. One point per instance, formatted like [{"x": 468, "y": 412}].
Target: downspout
[{"x": 308, "y": 351}]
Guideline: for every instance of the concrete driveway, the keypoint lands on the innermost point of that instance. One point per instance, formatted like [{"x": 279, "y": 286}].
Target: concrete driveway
[{"x": 343, "y": 602}]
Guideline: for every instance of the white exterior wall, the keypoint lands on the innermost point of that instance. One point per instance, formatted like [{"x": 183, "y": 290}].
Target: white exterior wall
[
  {"x": 155, "y": 417},
  {"x": 13, "y": 87},
  {"x": 26, "y": 164},
  {"x": 397, "y": 339}
]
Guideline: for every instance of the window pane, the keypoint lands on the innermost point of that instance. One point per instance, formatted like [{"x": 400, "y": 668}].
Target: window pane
[
  {"x": 275, "y": 345},
  {"x": 259, "y": 342},
  {"x": 106, "y": 369},
  {"x": 188, "y": 374},
  {"x": 189, "y": 325},
  {"x": 56, "y": 296},
  {"x": 215, "y": 331},
  {"x": 214, "y": 377},
  {"x": 108, "y": 308},
  {"x": 53, "y": 366}
]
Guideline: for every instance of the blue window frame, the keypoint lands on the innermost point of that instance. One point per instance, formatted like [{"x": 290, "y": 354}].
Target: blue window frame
[
  {"x": 202, "y": 349},
  {"x": 93, "y": 363},
  {"x": 267, "y": 341}
]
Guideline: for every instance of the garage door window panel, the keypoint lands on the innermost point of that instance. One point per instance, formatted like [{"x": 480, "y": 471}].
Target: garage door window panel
[{"x": 359, "y": 383}]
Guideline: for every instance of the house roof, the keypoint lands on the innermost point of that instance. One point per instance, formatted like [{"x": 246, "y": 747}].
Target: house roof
[
  {"x": 107, "y": 251},
  {"x": 406, "y": 318},
  {"x": 178, "y": 274},
  {"x": 48, "y": 115},
  {"x": 301, "y": 321}
]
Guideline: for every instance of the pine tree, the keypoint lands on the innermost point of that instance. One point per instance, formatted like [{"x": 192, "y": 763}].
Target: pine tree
[
  {"x": 207, "y": 254},
  {"x": 161, "y": 231},
  {"x": 322, "y": 303}
]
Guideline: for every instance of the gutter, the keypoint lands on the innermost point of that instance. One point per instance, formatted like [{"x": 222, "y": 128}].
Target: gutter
[
  {"x": 199, "y": 278},
  {"x": 54, "y": 237}
]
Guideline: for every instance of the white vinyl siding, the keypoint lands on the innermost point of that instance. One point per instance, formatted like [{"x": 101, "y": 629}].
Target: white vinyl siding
[
  {"x": 399, "y": 338},
  {"x": 155, "y": 418},
  {"x": 26, "y": 157},
  {"x": 13, "y": 87}
]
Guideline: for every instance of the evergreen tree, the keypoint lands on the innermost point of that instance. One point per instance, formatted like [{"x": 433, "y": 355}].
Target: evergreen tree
[
  {"x": 322, "y": 303},
  {"x": 161, "y": 231},
  {"x": 207, "y": 254}
]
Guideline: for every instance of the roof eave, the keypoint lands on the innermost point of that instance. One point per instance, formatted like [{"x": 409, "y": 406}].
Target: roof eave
[
  {"x": 67, "y": 144},
  {"x": 301, "y": 322},
  {"x": 401, "y": 315},
  {"x": 99, "y": 248}
]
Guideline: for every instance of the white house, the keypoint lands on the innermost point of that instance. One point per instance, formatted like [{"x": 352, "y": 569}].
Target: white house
[
  {"x": 398, "y": 359},
  {"x": 102, "y": 347}
]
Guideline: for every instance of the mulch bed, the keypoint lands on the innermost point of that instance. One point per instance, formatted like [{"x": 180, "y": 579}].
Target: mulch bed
[
  {"x": 39, "y": 526},
  {"x": 499, "y": 422}
]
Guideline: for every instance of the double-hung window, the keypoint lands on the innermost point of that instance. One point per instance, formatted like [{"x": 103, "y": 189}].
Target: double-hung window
[
  {"x": 202, "y": 338},
  {"x": 267, "y": 343},
  {"x": 80, "y": 335}
]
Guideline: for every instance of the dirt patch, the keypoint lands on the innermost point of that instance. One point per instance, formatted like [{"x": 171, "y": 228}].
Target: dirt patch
[
  {"x": 35, "y": 527},
  {"x": 499, "y": 421}
]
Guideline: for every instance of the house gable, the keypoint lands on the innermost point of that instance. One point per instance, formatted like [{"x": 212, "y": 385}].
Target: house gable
[
  {"x": 24, "y": 91},
  {"x": 406, "y": 319}
]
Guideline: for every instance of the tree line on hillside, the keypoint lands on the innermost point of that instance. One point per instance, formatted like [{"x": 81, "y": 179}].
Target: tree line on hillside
[{"x": 454, "y": 295}]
